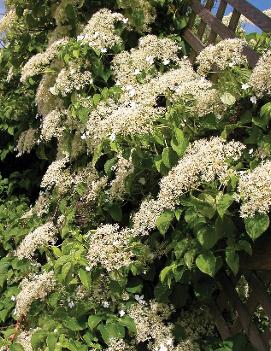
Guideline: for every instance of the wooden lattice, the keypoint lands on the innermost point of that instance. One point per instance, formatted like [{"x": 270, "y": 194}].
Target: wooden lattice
[
  {"x": 198, "y": 35},
  {"x": 229, "y": 300},
  {"x": 217, "y": 29}
]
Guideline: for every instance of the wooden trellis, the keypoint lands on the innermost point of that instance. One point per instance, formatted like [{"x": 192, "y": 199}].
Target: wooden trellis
[
  {"x": 218, "y": 29},
  {"x": 211, "y": 28}
]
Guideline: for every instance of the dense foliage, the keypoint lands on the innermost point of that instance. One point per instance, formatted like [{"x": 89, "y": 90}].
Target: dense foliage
[{"x": 130, "y": 178}]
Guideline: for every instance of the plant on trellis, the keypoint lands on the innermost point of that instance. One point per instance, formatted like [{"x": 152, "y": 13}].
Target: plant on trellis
[{"x": 157, "y": 177}]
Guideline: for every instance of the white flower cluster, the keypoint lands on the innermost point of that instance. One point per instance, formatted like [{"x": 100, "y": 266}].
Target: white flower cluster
[
  {"x": 200, "y": 97},
  {"x": 100, "y": 31},
  {"x": 8, "y": 20},
  {"x": 119, "y": 345},
  {"x": 255, "y": 190},
  {"x": 45, "y": 100},
  {"x": 227, "y": 53},
  {"x": 110, "y": 247},
  {"x": 37, "y": 63},
  {"x": 51, "y": 125},
  {"x": 196, "y": 323},
  {"x": 151, "y": 327},
  {"x": 40, "y": 207},
  {"x": 40, "y": 237},
  {"x": 56, "y": 174},
  {"x": 123, "y": 168},
  {"x": 137, "y": 109},
  {"x": 127, "y": 66},
  {"x": 71, "y": 79},
  {"x": 260, "y": 79},
  {"x": 36, "y": 288},
  {"x": 24, "y": 338},
  {"x": 204, "y": 161},
  {"x": 26, "y": 141}
]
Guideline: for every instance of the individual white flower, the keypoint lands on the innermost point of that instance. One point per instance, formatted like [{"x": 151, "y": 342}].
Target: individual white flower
[
  {"x": 81, "y": 37},
  {"x": 245, "y": 86},
  {"x": 253, "y": 99},
  {"x": 137, "y": 71},
  {"x": 163, "y": 348},
  {"x": 88, "y": 268},
  {"x": 13, "y": 298},
  {"x": 150, "y": 59},
  {"x": 250, "y": 151},
  {"x": 166, "y": 62},
  {"x": 105, "y": 304},
  {"x": 103, "y": 50},
  {"x": 125, "y": 20},
  {"x": 132, "y": 92},
  {"x": 71, "y": 304},
  {"x": 112, "y": 137},
  {"x": 140, "y": 299},
  {"x": 121, "y": 313}
]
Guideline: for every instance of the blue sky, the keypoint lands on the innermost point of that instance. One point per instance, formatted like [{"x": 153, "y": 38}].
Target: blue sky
[{"x": 261, "y": 4}]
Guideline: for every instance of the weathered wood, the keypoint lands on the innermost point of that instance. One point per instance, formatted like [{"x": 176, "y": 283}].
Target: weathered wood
[
  {"x": 234, "y": 20},
  {"x": 220, "y": 323},
  {"x": 193, "y": 41},
  {"x": 223, "y": 31},
  {"x": 260, "y": 293},
  {"x": 219, "y": 15},
  {"x": 251, "y": 12},
  {"x": 202, "y": 26},
  {"x": 248, "y": 326},
  {"x": 261, "y": 258}
]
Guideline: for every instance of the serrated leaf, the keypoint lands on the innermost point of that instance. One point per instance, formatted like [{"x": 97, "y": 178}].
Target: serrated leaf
[
  {"x": 207, "y": 237},
  {"x": 111, "y": 330},
  {"x": 94, "y": 320},
  {"x": 223, "y": 202},
  {"x": 85, "y": 278},
  {"x": 232, "y": 259},
  {"x": 206, "y": 263},
  {"x": 228, "y": 99},
  {"x": 169, "y": 157},
  {"x": 129, "y": 323},
  {"x": 164, "y": 220},
  {"x": 256, "y": 225}
]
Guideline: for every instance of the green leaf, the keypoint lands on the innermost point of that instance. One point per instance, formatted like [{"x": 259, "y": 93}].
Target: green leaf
[
  {"x": 257, "y": 225},
  {"x": 129, "y": 323},
  {"x": 206, "y": 263},
  {"x": 189, "y": 258},
  {"x": 164, "y": 220},
  {"x": 73, "y": 324},
  {"x": 223, "y": 203},
  {"x": 228, "y": 99},
  {"x": 169, "y": 157},
  {"x": 164, "y": 273},
  {"x": 15, "y": 347},
  {"x": 38, "y": 338},
  {"x": 94, "y": 320},
  {"x": 264, "y": 117},
  {"x": 208, "y": 237},
  {"x": 85, "y": 278},
  {"x": 111, "y": 330},
  {"x": 232, "y": 259},
  {"x": 115, "y": 212},
  {"x": 51, "y": 342},
  {"x": 178, "y": 142},
  {"x": 245, "y": 246}
]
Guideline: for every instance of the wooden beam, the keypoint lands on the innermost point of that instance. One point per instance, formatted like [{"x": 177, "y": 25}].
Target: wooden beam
[
  {"x": 252, "y": 13},
  {"x": 219, "y": 15}
]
